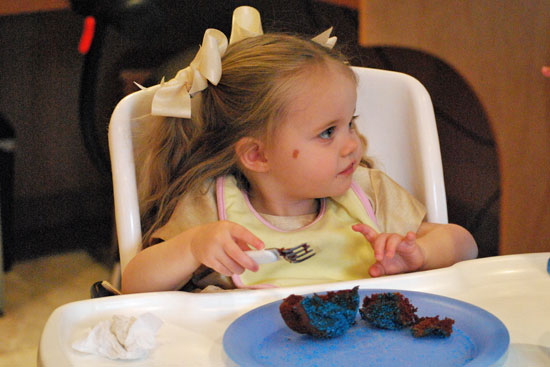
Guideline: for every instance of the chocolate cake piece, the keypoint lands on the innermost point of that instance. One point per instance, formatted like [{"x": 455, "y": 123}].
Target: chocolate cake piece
[
  {"x": 388, "y": 311},
  {"x": 322, "y": 316},
  {"x": 433, "y": 326}
]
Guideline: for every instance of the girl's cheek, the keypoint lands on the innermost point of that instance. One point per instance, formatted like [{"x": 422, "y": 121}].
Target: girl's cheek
[{"x": 295, "y": 153}]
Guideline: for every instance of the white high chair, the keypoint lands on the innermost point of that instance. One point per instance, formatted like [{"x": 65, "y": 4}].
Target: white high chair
[
  {"x": 395, "y": 115},
  {"x": 397, "y": 118}
]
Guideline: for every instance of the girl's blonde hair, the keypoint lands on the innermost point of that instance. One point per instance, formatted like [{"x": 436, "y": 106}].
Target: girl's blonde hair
[{"x": 258, "y": 75}]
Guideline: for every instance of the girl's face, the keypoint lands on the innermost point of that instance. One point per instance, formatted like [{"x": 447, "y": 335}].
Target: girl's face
[{"x": 315, "y": 149}]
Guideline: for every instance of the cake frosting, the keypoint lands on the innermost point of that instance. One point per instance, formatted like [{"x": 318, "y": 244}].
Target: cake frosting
[
  {"x": 323, "y": 316},
  {"x": 388, "y": 311}
]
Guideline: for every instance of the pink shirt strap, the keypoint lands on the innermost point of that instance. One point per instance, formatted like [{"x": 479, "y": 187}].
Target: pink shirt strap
[
  {"x": 220, "y": 198},
  {"x": 365, "y": 201}
]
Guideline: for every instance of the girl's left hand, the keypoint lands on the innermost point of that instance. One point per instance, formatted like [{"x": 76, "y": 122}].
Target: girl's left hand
[{"x": 394, "y": 253}]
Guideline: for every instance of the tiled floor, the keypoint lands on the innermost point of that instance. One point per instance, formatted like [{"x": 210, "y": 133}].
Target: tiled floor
[{"x": 33, "y": 289}]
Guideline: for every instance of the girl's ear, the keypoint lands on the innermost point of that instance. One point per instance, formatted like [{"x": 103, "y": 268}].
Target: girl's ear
[{"x": 251, "y": 154}]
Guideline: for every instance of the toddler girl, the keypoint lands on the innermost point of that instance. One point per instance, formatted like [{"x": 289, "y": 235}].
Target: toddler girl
[{"x": 270, "y": 156}]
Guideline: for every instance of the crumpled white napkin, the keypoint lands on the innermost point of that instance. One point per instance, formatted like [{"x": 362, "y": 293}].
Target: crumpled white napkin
[{"x": 121, "y": 337}]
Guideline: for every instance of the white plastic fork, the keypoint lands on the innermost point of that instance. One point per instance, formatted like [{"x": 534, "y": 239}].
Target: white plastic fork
[{"x": 293, "y": 255}]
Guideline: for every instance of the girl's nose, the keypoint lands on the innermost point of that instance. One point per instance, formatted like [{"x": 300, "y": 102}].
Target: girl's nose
[{"x": 350, "y": 145}]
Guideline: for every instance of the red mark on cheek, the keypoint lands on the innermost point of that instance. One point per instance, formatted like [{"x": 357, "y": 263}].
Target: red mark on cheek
[{"x": 295, "y": 153}]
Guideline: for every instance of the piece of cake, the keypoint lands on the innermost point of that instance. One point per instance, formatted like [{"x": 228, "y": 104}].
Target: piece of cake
[
  {"x": 322, "y": 316},
  {"x": 388, "y": 311},
  {"x": 433, "y": 326}
]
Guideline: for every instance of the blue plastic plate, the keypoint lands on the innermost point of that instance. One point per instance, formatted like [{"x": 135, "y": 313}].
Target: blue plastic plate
[{"x": 261, "y": 338}]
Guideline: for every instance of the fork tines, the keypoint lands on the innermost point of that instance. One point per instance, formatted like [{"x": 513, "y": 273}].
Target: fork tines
[{"x": 298, "y": 253}]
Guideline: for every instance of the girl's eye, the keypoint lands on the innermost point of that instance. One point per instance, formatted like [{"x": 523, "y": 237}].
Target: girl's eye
[{"x": 327, "y": 134}]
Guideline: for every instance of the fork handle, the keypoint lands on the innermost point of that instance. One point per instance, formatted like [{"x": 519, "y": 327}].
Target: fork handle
[{"x": 262, "y": 256}]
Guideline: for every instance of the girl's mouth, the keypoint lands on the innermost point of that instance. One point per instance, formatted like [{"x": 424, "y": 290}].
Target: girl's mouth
[{"x": 349, "y": 170}]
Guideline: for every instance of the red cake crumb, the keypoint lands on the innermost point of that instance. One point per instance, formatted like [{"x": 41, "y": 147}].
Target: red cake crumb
[{"x": 432, "y": 326}]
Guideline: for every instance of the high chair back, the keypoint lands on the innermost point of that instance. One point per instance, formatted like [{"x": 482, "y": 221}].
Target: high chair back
[{"x": 395, "y": 114}]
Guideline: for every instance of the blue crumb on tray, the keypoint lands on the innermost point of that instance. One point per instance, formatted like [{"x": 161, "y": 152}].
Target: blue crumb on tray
[{"x": 322, "y": 316}]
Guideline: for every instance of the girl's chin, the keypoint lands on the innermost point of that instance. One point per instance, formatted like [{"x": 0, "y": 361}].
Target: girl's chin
[
  {"x": 334, "y": 189},
  {"x": 339, "y": 191}
]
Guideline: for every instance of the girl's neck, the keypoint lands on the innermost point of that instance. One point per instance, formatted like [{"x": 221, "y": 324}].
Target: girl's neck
[{"x": 271, "y": 205}]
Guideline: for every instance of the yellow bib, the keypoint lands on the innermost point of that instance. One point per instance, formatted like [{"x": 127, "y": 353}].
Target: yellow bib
[{"x": 341, "y": 253}]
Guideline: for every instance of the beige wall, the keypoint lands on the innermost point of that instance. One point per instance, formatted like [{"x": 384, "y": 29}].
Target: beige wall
[
  {"x": 29, "y": 6},
  {"x": 499, "y": 47}
]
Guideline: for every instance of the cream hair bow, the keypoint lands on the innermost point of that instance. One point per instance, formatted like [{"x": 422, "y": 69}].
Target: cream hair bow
[{"x": 173, "y": 98}]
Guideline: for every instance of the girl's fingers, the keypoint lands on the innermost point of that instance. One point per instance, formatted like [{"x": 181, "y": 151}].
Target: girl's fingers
[
  {"x": 231, "y": 260},
  {"x": 408, "y": 243},
  {"x": 221, "y": 246},
  {"x": 223, "y": 269},
  {"x": 243, "y": 237},
  {"x": 379, "y": 246},
  {"x": 376, "y": 270},
  {"x": 233, "y": 267},
  {"x": 384, "y": 244},
  {"x": 391, "y": 244},
  {"x": 366, "y": 230},
  {"x": 237, "y": 254},
  {"x": 410, "y": 237}
]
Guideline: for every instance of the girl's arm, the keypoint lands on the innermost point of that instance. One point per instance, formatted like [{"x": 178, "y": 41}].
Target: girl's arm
[
  {"x": 170, "y": 264},
  {"x": 445, "y": 244},
  {"x": 433, "y": 246}
]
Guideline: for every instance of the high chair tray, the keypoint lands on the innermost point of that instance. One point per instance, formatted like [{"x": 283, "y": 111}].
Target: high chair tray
[{"x": 515, "y": 289}]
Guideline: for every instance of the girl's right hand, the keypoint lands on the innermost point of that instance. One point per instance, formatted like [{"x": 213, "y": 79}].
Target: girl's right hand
[
  {"x": 221, "y": 246},
  {"x": 393, "y": 252}
]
